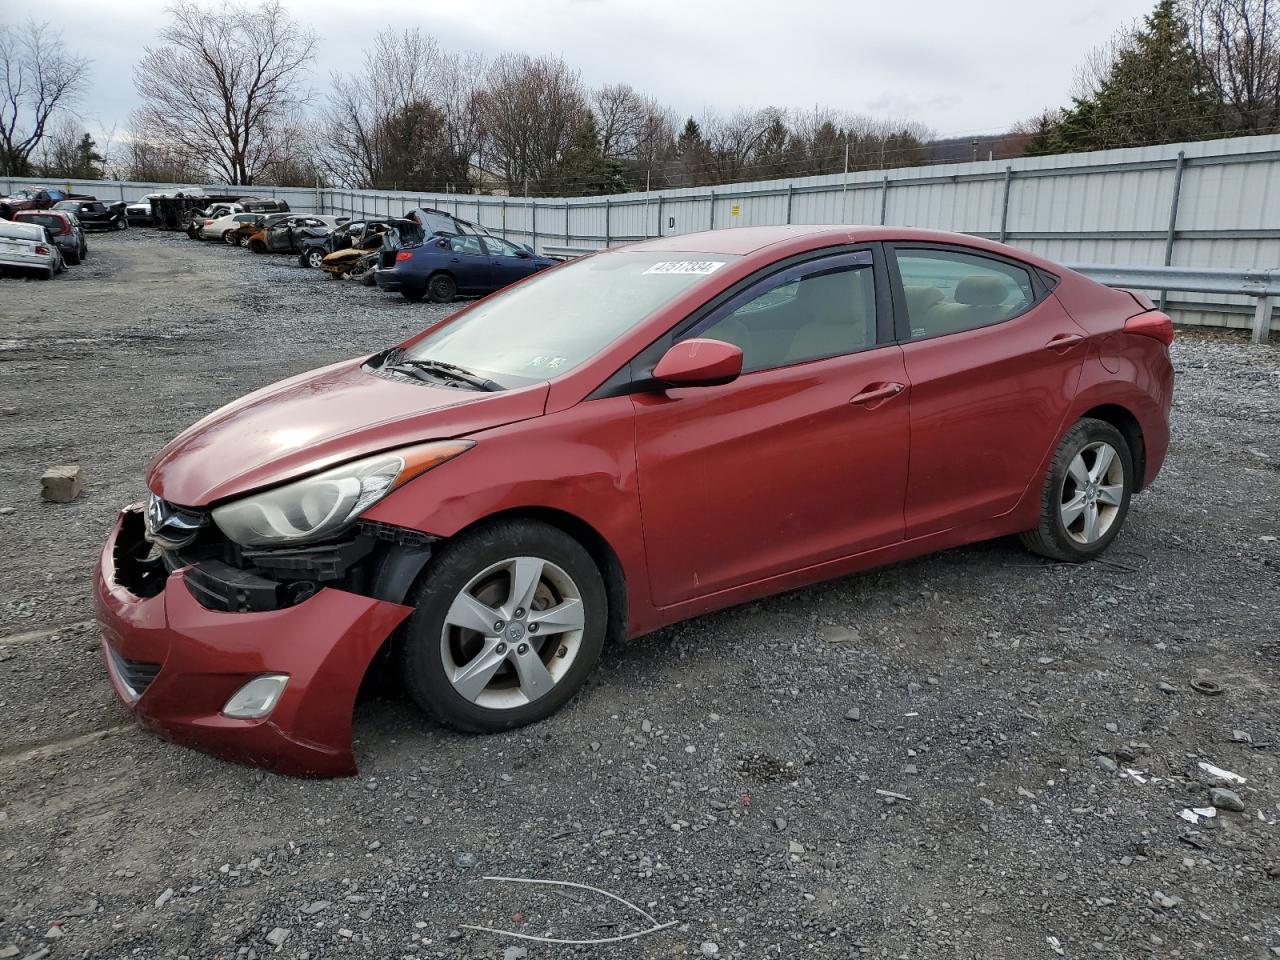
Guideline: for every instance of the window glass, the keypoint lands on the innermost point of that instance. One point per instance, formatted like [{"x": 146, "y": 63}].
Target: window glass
[
  {"x": 437, "y": 223},
  {"x": 948, "y": 292},
  {"x": 501, "y": 248},
  {"x": 819, "y": 309},
  {"x": 469, "y": 245},
  {"x": 52, "y": 221},
  {"x": 558, "y": 318}
]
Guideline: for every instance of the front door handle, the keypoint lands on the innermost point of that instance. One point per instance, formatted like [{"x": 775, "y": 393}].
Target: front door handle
[
  {"x": 1063, "y": 342},
  {"x": 877, "y": 392}
]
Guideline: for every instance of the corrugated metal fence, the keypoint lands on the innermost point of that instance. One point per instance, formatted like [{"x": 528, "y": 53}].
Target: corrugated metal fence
[{"x": 1210, "y": 204}]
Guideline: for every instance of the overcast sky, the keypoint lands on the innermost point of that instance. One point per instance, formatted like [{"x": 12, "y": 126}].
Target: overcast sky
[{"x": 957, "y": 67}]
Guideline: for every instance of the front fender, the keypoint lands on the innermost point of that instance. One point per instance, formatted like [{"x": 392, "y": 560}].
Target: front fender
[{"x": 580, "y": 462}]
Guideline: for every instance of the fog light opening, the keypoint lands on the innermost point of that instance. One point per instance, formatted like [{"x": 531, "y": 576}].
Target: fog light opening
[{"x": 257, "y": 698}]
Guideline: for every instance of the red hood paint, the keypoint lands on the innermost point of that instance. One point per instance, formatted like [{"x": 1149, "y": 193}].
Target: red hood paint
[{"x": 316, "y": 420}]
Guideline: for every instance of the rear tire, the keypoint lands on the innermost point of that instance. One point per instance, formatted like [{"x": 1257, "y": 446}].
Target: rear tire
[
  {"x": 441, "y": 288},
  {"x": 485, "y": 572},
  {"x": 1086, "y": 494},
  {"x": 73, "y": 258}
]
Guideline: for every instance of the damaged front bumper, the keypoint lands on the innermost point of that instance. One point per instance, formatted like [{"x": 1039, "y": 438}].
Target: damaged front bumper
[{"x": 176, "y": 663}]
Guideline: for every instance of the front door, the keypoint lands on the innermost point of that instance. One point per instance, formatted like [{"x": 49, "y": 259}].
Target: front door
[
  {"x": 801, "y": 460},
  {"x": 994, "y": 362}
]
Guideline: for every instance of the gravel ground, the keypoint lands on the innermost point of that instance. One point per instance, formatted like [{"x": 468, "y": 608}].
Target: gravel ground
[{"x": 973, "y": 755}]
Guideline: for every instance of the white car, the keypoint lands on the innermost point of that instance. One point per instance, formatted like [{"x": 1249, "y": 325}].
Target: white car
[
  {"x": 221, "y": 228},
  {"x": 27, "y": 246}
]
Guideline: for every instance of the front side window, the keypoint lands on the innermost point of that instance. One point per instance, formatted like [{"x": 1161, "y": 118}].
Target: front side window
[
  {"x": 501, "y": 248},
  {"x": 823, "y": 308},
  {"x": 948, "y": 291},
  {"x": 467, "y": 245},
  {"x": 560, "y": 318}
]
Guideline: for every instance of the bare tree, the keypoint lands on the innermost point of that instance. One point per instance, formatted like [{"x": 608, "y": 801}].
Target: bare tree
[
  {"x": 222, "y": 82},
  {"x": 532, "y": 111},
  {"x": 39, "y": 78},
  {"x": 387, "y": 126},
  {"x": 150, "y": 161},
  {"x": 1238, "y": 44}
]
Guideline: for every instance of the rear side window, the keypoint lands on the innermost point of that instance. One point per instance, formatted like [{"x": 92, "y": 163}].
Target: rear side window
[
  {"x": 469, "y": 245},
  {"x": 948, "y": 291},
  {"x": 823, "y": 308}
]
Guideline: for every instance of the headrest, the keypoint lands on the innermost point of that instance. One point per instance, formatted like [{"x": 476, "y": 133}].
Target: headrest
[
  {"x": 922, "y": 298},
  {"x": 981, "y": 291}
]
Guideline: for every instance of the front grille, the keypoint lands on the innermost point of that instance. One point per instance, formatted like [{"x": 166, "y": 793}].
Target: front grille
[{"x": 136, "y": 675}]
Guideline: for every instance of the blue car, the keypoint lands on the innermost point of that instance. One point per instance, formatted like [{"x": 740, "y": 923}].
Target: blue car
[{"x": 444, "y": 267}]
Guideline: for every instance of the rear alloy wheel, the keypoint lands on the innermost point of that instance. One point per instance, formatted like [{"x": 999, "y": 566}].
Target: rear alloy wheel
[
  {"x": 315, "y": 258},
  {"x": 1086, "y": 494},
  {"x": 441, "y": 288},
  {"x": 508, "y": 622}
]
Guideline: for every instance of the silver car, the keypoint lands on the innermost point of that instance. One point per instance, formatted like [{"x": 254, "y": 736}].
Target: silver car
[{"x": 28, "y": 247}]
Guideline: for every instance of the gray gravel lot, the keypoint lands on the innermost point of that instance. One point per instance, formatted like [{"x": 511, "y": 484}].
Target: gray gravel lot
[{"x": 1032, "y": 724}]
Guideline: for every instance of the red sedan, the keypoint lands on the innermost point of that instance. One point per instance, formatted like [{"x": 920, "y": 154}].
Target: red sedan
[{"x": 625, "y": 441}]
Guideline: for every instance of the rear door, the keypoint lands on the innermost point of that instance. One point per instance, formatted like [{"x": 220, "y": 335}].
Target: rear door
[
  {"x": 803, "y": 458},
  {"x": 994, "y": 363}
]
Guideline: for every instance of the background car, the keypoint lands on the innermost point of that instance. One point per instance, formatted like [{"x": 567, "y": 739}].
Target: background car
[
  {"x": 140, "y": 210},
  {"x": 446, "y": 266},
  {"x": 96, "y": 215},
  {"x": 243, "y": 233},
  {"x": 224, "y": 228},
  {"x": 27, "y": 247},
  {"x": 64, "y": 230},
  {"x": 362, "y": 235},
  {"x": 39, "y": 198},
  {"x": 285, "y": 234}
]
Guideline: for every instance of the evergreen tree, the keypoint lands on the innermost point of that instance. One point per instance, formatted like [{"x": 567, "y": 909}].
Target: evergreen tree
[{"x": 584, "y": 170}]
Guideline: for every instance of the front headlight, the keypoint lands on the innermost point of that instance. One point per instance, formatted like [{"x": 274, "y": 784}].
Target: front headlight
[{"x": 321, "y": 506}]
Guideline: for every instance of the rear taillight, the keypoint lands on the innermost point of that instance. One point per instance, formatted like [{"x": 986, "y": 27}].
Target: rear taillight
[
  {"x": 42, "y": 249},
  {"x": 1153, "y": 324},
  {"x": 403, "y": 255}
]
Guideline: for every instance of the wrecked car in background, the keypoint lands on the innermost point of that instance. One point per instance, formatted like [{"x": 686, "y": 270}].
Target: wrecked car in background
[
  {"x": 286, "y": 234},
  {"x": 38, "y": 198},
  {"x": 359, "y": 236},
  {"x": 247, "y": 230},
  {"x": 443, "y": 267},
  {"x": 94, "y": 214},
  {"x": 64, "y": 231}
]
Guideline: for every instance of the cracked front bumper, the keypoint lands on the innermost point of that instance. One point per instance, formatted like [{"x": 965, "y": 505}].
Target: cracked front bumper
[{"x": 189, "y": 660}]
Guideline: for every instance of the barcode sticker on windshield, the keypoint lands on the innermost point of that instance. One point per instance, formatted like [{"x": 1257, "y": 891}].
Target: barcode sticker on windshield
[{"x": 686, "y": 266}]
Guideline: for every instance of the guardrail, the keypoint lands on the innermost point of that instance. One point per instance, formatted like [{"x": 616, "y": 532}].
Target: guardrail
[{"x": 1262, "y": 285}]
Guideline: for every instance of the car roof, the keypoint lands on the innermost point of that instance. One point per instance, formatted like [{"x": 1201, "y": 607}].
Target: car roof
[{"x": 797, "y": 238}]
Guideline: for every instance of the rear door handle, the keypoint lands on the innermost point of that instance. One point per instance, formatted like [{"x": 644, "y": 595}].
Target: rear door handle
[
  {"x": 877, "y": 392},
  {"x": 1063, "y": 341}
]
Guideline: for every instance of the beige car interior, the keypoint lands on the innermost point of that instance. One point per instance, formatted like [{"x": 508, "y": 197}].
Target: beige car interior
[
  {"x": 822, "y": 315},
  {"x": 977, "y": 302}
]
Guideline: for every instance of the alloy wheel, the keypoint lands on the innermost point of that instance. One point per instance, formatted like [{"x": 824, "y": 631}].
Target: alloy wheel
[
  {"x": 512, "y": 633},
  {"x": 1092, "y": 492}
]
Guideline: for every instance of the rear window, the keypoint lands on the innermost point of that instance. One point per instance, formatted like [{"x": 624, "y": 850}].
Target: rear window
[
  {"x": 20, "y": 231},
  {"x": 55, "y": 224}
]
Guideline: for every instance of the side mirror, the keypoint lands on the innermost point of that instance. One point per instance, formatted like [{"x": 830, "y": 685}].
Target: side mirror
[
  {"x": 442, "y": 243},
  {"x": 699, "y": 363},
  {"x": 523, "y": 254}
]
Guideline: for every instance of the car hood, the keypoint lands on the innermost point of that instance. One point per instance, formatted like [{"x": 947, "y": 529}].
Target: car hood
[{"x": 317, "y": 420}]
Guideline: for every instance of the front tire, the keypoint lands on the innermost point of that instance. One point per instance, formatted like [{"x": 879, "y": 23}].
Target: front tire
[
  {"x": 228, "y": 237},
  {"x": 313, "y": 258},
  {"x": 122, "y": 224},
  {"x": 1086, "y": 494},
  {"x": 509, "y": 620},
  {"x": 441, "y": 288}
]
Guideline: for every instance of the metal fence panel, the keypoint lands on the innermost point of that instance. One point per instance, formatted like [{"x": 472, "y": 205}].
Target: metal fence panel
[{"x": 1109, "y": 206}]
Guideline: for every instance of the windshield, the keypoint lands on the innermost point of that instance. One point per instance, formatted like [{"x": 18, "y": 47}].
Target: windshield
[{"x": 555, "y": 321}]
